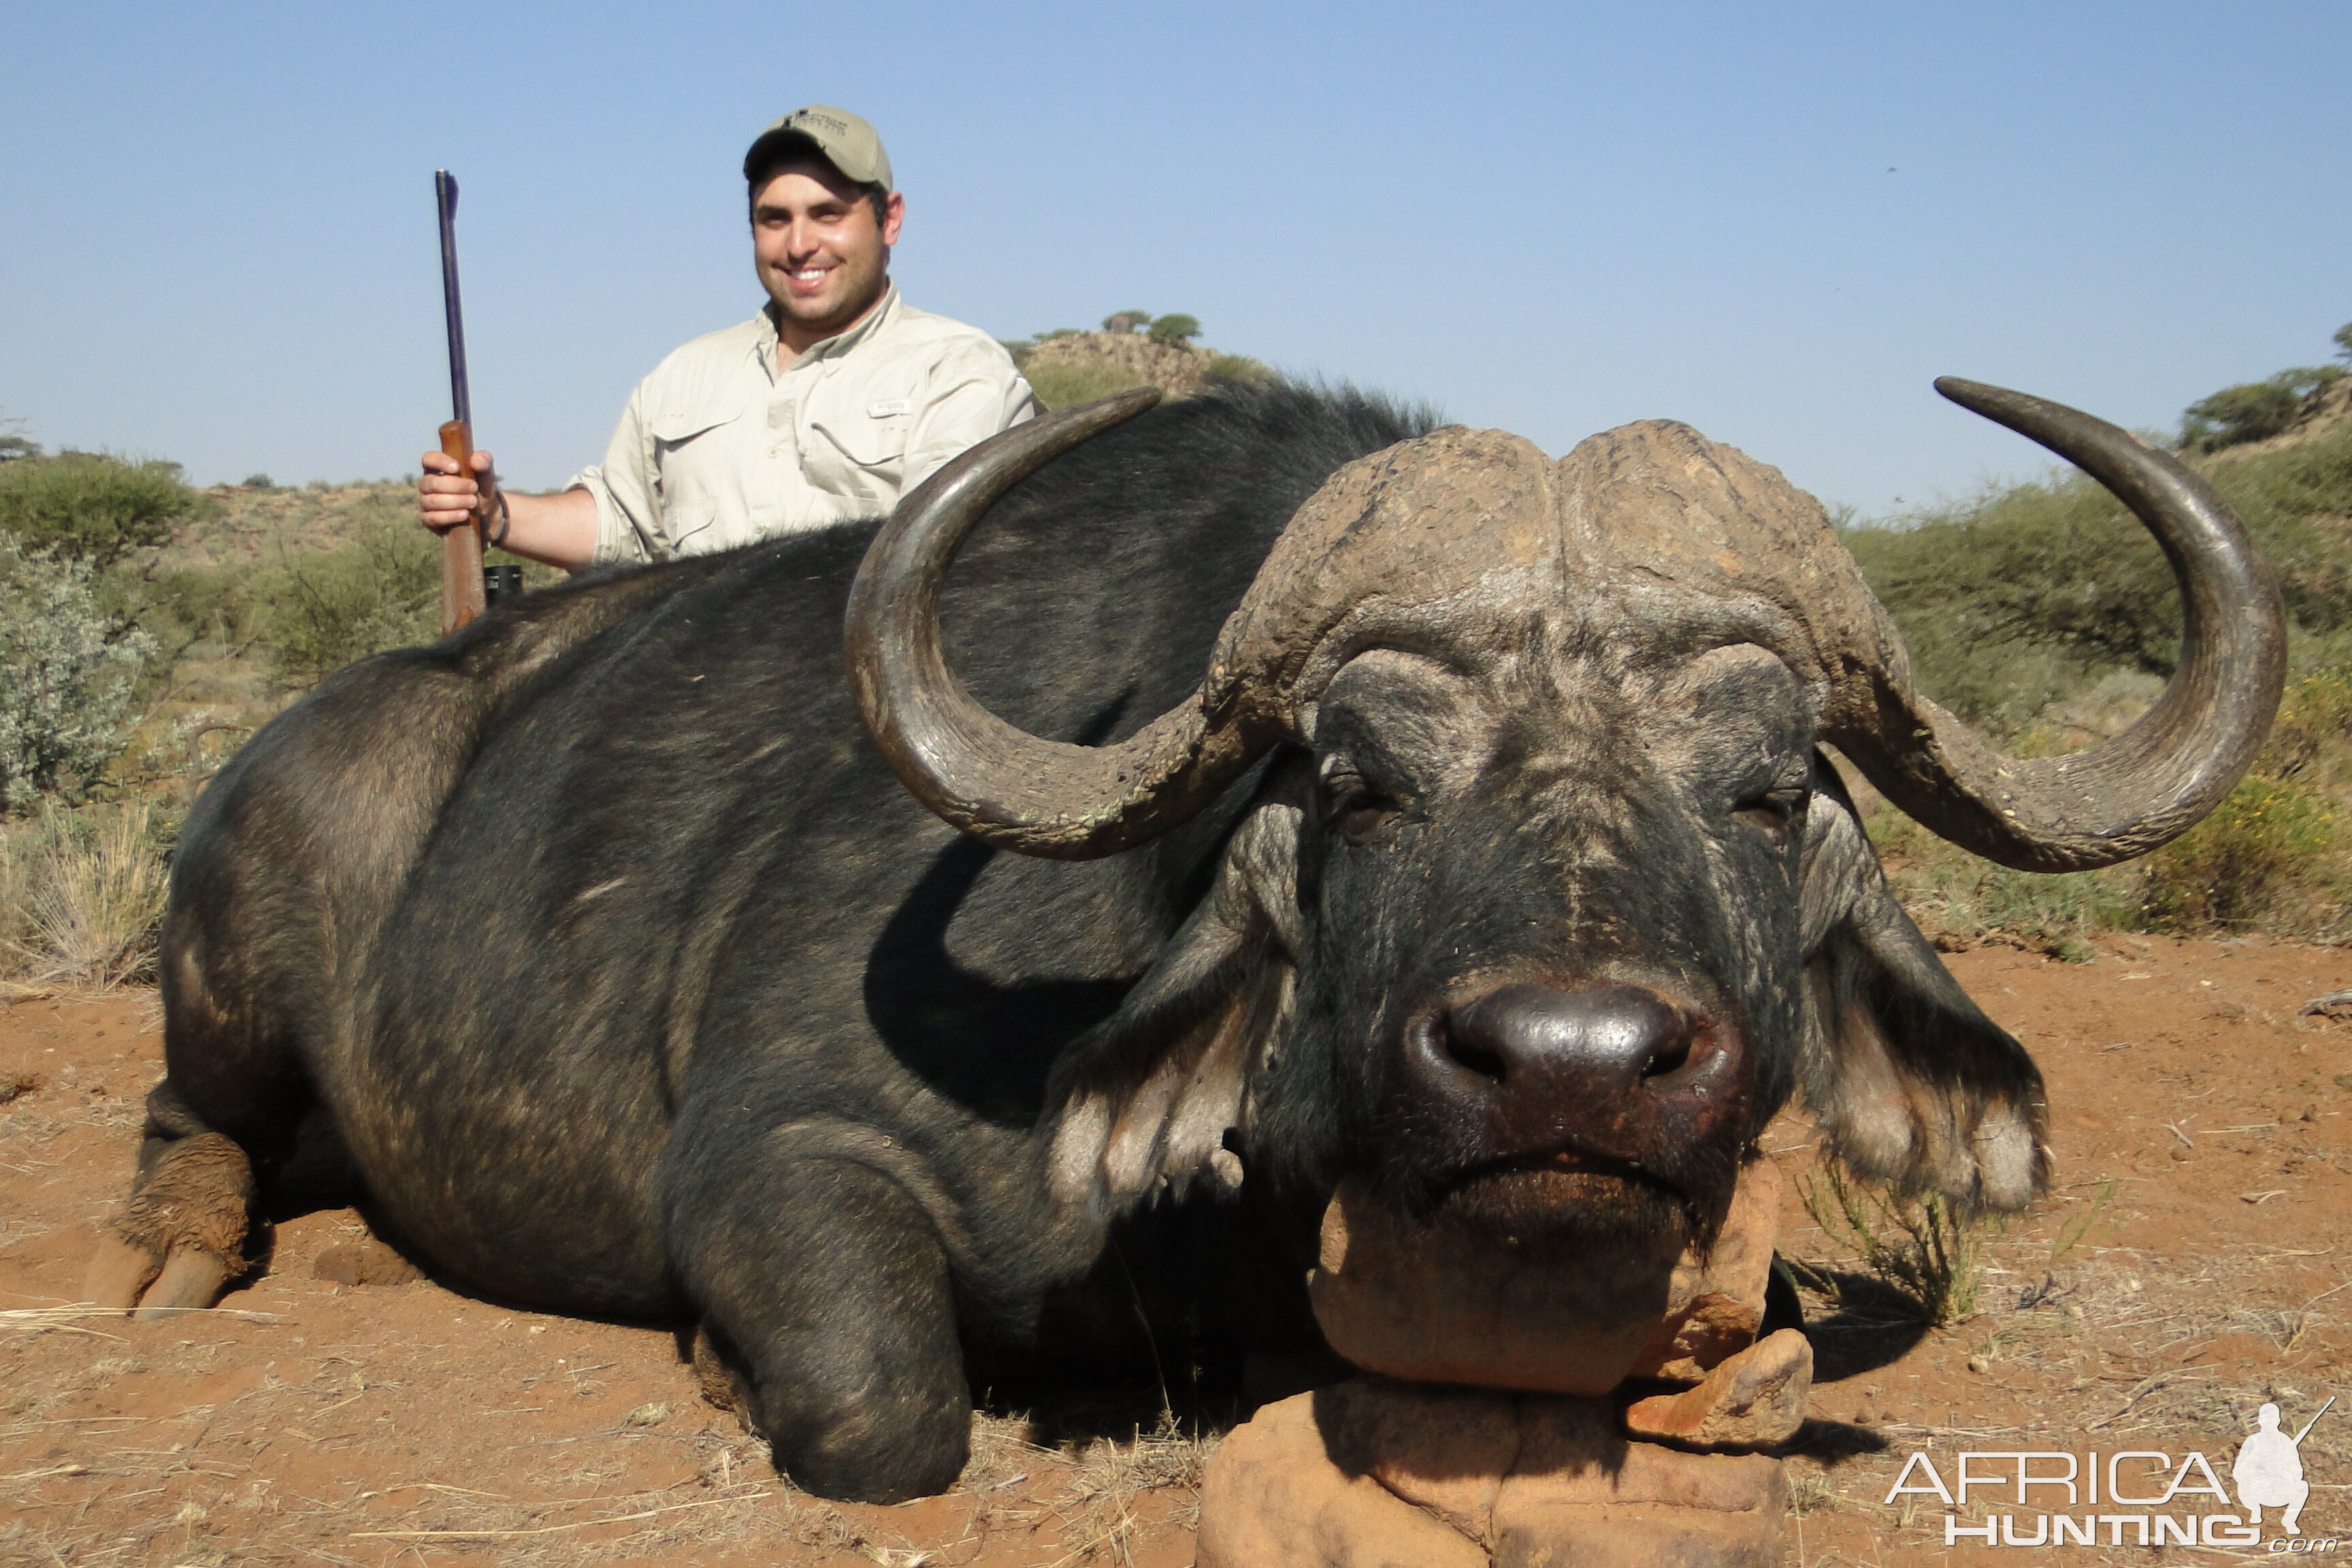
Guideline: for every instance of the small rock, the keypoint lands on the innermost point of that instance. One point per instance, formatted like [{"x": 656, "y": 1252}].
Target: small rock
[
  {"x": 1978, "y": 1364},
  {"x": 1754, "y": 1400},
  {"x": 647, "y": 1415}
]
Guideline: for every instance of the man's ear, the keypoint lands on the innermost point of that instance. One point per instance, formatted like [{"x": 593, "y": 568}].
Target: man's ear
[
  {"x": 893, "y": 214},
  {"x": 1912, "y": 1084}
]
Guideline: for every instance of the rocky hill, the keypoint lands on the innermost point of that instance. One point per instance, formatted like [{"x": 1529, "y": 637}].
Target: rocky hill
[{"x": 1069, "y": 367}]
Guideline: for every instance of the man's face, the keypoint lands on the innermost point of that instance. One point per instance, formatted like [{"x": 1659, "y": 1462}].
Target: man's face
[{"x": 820, "y": 256}]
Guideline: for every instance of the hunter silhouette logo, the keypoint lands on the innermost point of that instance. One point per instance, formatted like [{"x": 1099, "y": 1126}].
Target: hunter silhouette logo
[
  {"x": 2133, "y": 1497},
  {"x": 2269, "y": 1471}
]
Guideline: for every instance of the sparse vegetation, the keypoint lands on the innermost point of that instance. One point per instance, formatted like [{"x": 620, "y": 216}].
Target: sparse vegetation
[{"x": 1906, "y": 1257}]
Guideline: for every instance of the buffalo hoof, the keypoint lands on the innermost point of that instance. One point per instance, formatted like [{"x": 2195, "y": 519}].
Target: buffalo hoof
[
  {"x": 720, "y": 1385},
  {"x": 118, "y": 1273},
  {"x": 184, "y": 1229},
  {"x": 191, "y": 1279}
]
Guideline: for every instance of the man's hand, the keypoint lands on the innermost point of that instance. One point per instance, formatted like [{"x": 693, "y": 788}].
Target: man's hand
[
  {"x": 445, "y": 498},
  {"x": 560, "y": 530}
]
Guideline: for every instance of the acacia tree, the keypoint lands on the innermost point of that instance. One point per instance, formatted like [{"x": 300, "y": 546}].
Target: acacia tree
[
  {"x": 91, "y": 506},
  {"x": 1176, "y": 329}
]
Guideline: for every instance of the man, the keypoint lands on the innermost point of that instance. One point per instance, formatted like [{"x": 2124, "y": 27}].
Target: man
[{"x": 829, "y": 405}]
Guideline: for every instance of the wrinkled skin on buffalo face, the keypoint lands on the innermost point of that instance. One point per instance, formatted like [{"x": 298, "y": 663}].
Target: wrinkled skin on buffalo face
[
  {"x": 603, "y": 943},
  {"x": 1557, "y": 884}
]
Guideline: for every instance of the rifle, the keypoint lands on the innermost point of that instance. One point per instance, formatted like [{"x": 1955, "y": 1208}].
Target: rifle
[{"x": 466, "y": 585}]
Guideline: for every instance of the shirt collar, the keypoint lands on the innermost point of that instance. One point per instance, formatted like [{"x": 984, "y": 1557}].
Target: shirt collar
[{"x": 839, "y": 343}]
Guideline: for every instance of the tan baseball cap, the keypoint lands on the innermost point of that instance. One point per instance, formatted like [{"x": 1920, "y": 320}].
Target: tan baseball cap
[{"x": 845, "y": 140}]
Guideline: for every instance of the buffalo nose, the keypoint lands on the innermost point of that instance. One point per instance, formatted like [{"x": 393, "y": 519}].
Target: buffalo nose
[
  {"x": 1603, "y": 1075},
  {"x": 1606, "y": 1041}
]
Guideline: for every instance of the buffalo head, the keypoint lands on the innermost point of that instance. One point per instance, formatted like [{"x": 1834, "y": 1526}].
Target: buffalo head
[{"x": 1546, "y": 899}]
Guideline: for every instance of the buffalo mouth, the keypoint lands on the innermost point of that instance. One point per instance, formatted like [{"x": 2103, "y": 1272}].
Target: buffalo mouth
[
  {"x": 1570, "y": 1196},
  {"x": 1550, "y": 1111}
]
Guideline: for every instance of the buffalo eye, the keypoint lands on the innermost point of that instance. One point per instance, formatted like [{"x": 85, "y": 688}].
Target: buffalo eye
[{"x": 1362, "y": 807}]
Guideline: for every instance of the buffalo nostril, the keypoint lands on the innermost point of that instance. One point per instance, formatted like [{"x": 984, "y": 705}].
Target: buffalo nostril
[
  {"x": 1480, "y": 1059},
  {"x": 1670, "y": 1055}
]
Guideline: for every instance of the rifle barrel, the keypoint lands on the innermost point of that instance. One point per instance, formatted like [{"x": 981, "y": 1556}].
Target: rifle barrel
[{"x": 444, "y": 192}]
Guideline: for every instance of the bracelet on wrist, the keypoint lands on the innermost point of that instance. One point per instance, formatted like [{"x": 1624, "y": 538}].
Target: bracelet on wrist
[{"x": 506, "y": 521}]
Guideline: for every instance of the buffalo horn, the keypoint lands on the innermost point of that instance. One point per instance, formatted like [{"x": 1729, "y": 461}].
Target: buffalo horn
[
  {"x": 1000, "y": 784},
  {"x": 2149, "y": 783}
]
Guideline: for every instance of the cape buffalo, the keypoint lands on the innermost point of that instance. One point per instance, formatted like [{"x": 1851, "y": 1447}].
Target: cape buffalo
[{"x": 1386, "y": 803}]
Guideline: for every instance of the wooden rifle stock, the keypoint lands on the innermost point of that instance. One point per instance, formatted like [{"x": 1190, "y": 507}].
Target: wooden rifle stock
[{"x": 461, "y": 547}]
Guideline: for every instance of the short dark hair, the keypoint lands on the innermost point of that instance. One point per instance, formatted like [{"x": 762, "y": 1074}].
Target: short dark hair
[{"x": 876, "y": 193}]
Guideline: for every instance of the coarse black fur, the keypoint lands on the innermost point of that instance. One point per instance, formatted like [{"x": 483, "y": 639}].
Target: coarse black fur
[{"x": 634, "y": 984}]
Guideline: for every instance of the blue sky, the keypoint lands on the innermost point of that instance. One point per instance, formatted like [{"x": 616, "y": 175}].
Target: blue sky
[{"x": 1778, "y": 222}]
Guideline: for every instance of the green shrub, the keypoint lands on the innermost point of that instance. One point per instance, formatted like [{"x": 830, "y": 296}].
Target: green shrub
[
  {"x": 326, "y": 608},
  {"x": 1067, "y": 385},
  {"x": 1127, "y": 320},
  {"x": 1176, "y": 329},
  {"x": 91, "y": 506},
  {"x": 1951, "y": 891},
  {"x": 258, "y": 482},
  {"x": 1240, "y": 367},
  {"x": 2268, "y": 843},
  {"x": 2022, "y": 593},
  {"x": 2252, "y": 412},
  {"x": 67, "y": 672},
  {"x": 2312, "y": 736}
]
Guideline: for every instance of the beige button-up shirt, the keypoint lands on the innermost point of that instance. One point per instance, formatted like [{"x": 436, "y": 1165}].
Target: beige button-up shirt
[{"x": 718, "y": 446}]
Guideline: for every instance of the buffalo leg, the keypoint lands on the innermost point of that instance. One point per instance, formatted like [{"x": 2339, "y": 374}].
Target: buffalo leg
[
  {"x": 233, "y": 1097},
  {"x": 823, "y": 1291}
]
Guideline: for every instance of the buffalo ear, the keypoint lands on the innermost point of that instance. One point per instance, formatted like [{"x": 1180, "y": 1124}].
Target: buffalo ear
[
  {"x": 1148, "y": 1098},
  {"x": 1911, "y": 1083}
]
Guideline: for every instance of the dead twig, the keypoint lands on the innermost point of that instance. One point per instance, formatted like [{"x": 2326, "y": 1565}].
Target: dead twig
[{"x": 541, "y": 1530}]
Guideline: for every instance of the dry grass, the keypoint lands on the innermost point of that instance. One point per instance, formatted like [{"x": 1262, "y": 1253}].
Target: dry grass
[
  {"x": 82, "y": 894},
  {"x": 1111, "y": 1478}
]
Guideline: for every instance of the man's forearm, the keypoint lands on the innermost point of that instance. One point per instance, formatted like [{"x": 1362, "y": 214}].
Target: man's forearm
[{"x": 558, "y": 530}]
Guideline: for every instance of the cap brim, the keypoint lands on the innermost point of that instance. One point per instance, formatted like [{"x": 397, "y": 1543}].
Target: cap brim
[{"x": 783, "y": 140}]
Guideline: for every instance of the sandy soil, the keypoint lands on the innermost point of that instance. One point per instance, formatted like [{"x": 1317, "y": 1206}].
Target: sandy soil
[{"x": 2190, "y": 1265}]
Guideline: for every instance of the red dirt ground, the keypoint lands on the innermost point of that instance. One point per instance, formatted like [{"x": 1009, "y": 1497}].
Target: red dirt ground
[{"x": 2190, "y": 1264}]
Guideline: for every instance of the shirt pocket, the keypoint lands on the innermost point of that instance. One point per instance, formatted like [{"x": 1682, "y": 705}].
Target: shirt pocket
[
  {"x": 860, "y": 451},
  {"x": 689, "y": 467}
]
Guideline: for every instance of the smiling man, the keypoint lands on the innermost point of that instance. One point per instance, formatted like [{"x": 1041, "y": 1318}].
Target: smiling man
[{"x": 827, "y": 406}]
